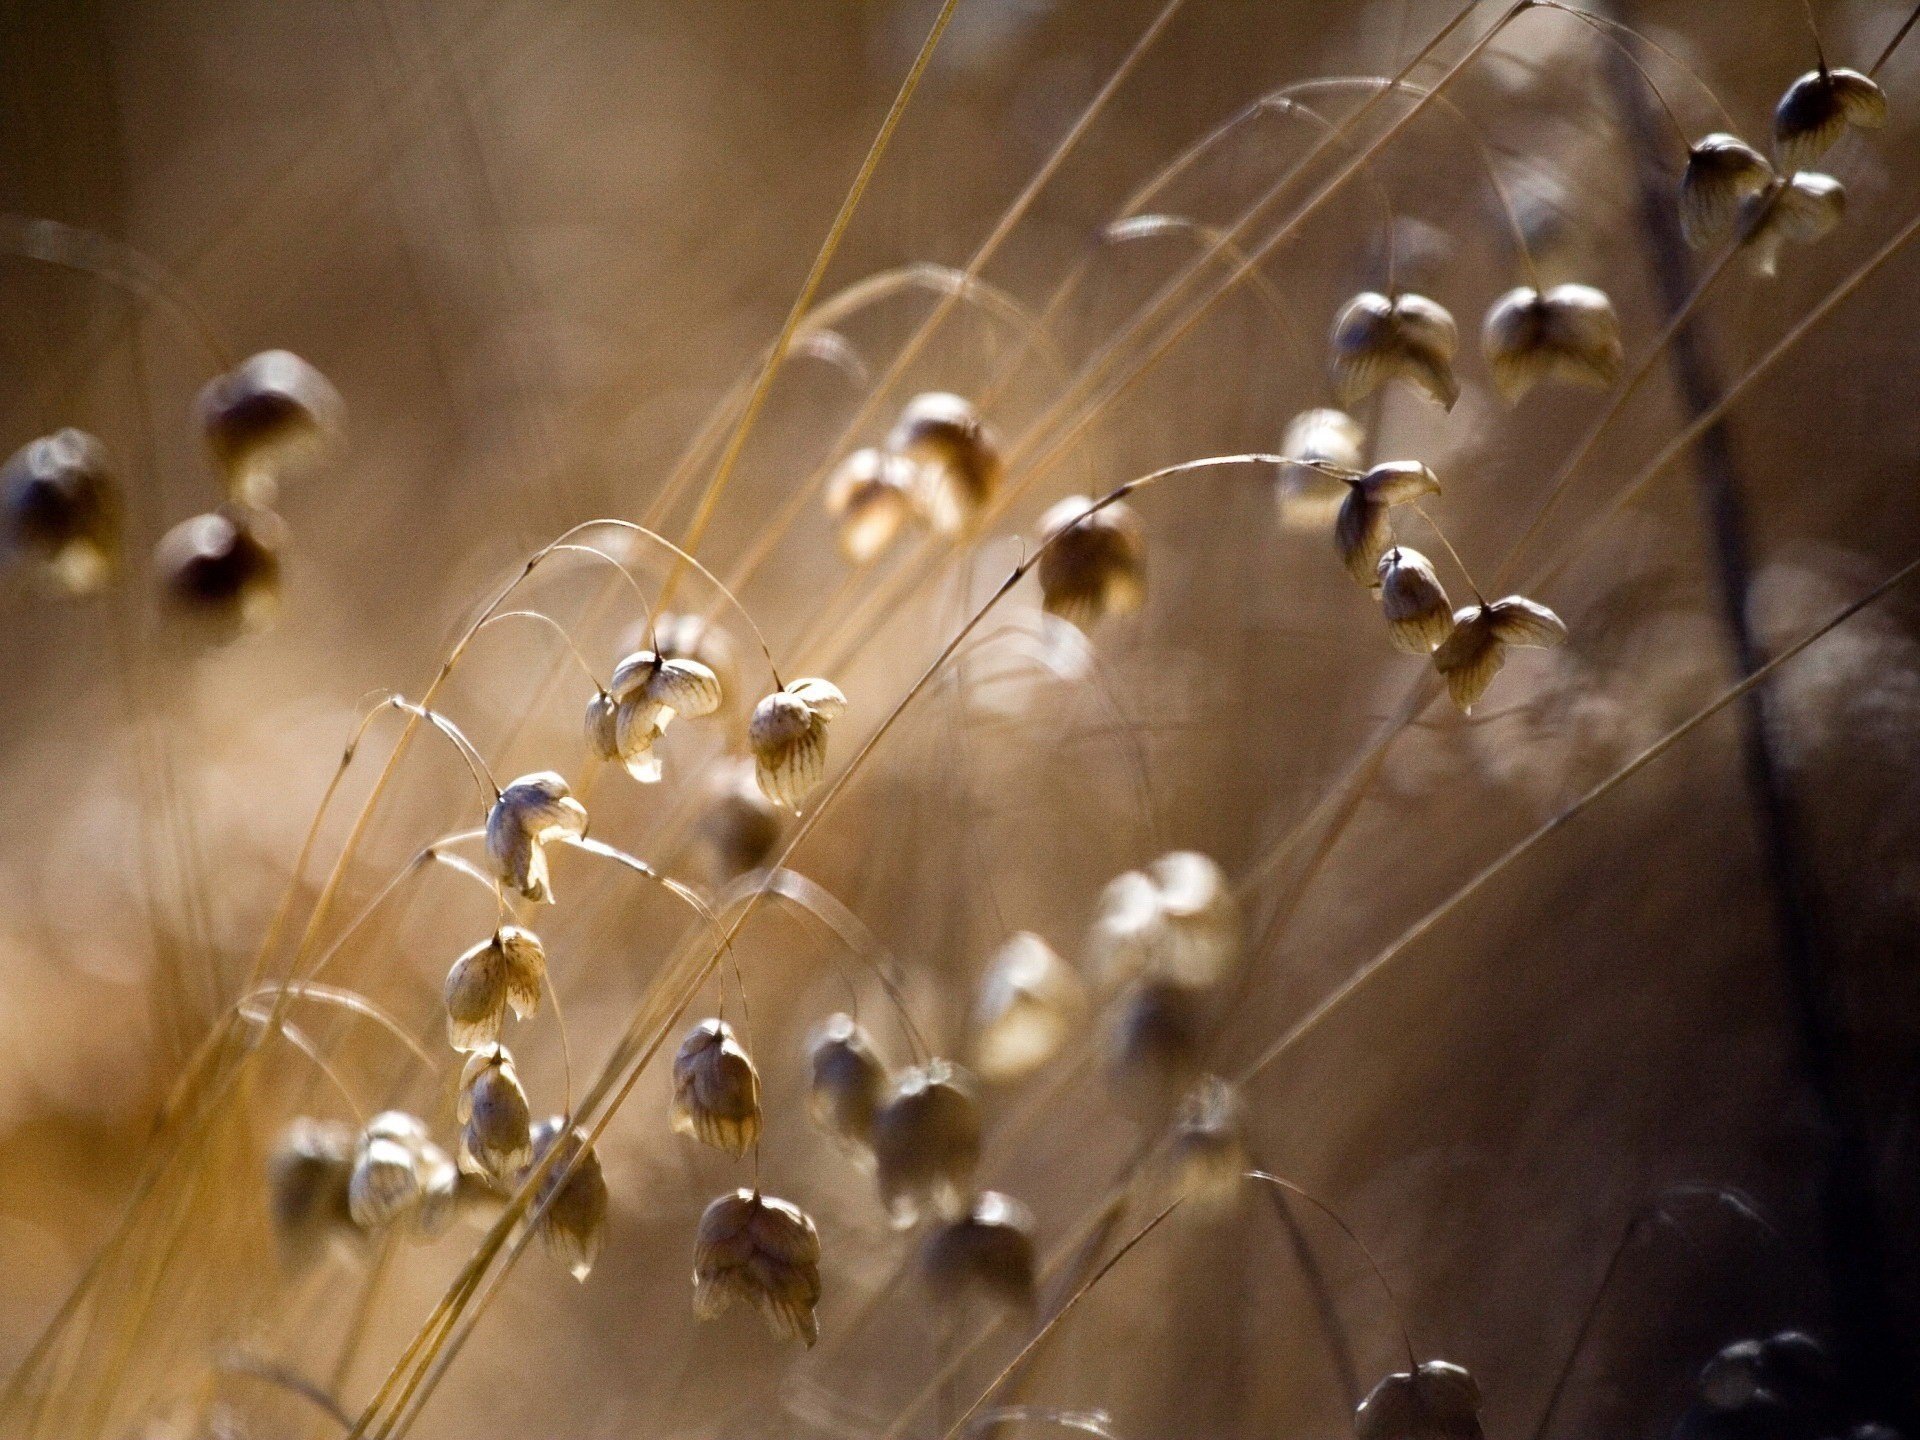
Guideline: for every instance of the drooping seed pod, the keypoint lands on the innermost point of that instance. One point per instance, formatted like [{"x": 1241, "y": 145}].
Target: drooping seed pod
[
  {"x": 508, "y": 970},
  {"x": 1156, "y": 1041},
  {"x": 1097, "y": 565},
  {"x": 1207, "y": 1153},
  {"x": 986, "y": 1254},
  {"x": 764, "y": 1251},
  {"x": 1031, "y": 1001},
  {"x": 741, "y": 826},
  {"x": 63, "y": 509},
  {"x": 926, "y": 1142},
  {"x": 400, "y": 1175},
  {"x": 788, "y": 735},
  {"x": 1175, "y": 921},
  {"x": 1437, "y": 1401},
  {"x": 1723, "y": 173},
  {"x": 220, "y": 572},
  {"x": 870, "y": 498},
  {"x": 1790, "y": 1368},
  {"x": 308, "y": 1176},
  {"x": 531, "y": 813},
  {"x": 1364, "y": 527},
  {"x": 1310, "y": 496},
  {"x": 271, "y": 415},
  {"x": 1800, "y": 211},
  {"x": 848, "y": 1081},
  {"x": 956, "y": 459},
  {"x": 574, "y": 1225},
  {"x": 1408, "y": 337},
  {"x": 716, "y": 1089},
  {"x": 647, "y": 691},
  {"x": 1418, "y": 614},
  {"x": 1567, "y": 332},
  {"x": 1472, "y": 655},
  {"x": 496, "y": 1135},
  {"x": 1817, "y": 109},
  {"x": 1731, "y": 1379}
]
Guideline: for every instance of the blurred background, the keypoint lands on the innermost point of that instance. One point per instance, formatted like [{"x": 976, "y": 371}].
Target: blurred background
[{"x": 533, "y": 243}]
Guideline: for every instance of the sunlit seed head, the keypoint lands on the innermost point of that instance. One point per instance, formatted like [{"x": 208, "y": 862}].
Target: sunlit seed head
[
  {"x": 1414, "y": 603},
  {"x": 1472, "y": 655},
  {"x": 63, "y": 509},
  {"x": 1799, "y": 211},
  {"x": 1723, "y": 173},
  {"x": 848, "y": 1082},
  {"x": 926, "y": 1142},
  {"x": 788, "y": 736},
  {"x": 308, "y": 1177},
  {"x": 1176, "y": 921},
  {"x": 1817, "y": 110},
  {"x": 1093, "y": 565},
  {"x": 219, "y": 573},
  {"x": 1310, "y": 497},
  {"x": 1156, "y": 1041},
  {"x": 986, "y": 1254},
  {"x": 1408, "y": 337},
  {"x": 647, "y": 692},
  {"x": 392, "y": 1161},
  {"x": 574, "y": 1193},
  {"x": 716, "y": 1089},
  {"x": 1031, "y": 1003},
  {"x": 956, "y": 459},
  {"x": 1363, "y": 530},
  {"x": 496, "y": 1136},
  {"x": 870, "y": 497},
  {"x": 754, "y": 1248},
  {"x": 272, "y": 415},
  {"x": 1436, "y": 1401},
  {"x": 506, "y": 971},
  {"x": 531, "y": 813},
  {"x": 1569, "y": 332},
  {"x": 1206, "y": 1152}
]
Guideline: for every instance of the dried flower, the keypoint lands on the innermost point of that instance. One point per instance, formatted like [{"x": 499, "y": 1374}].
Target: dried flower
[
  {"x": 956, "y": 459},
  {"x": 987, "y": 1252},
  {"x": 1155, "y": 1040},
  {"x": 307, "y": 1183},
  {"x": 788, "y": 733},
  {"x": 870, "y": 496},
  {"x": 849, "y": 1081},
  {"x": 765, "y": 1251},
  {"x": 647, "y": 691},
  {"x": 716, "y": 1090},
  {"x": 1094, "y": 564},
  {"x": 575, "y": 1223},
  {"x": 1206, "y": 1154},
  {"x": 1309, "y": 496},
  {"x": 1437, "y": 1401},
  {"x": 1173, "y": 921},
  {"x": 926, "y": 1142},
  {"x": 530, "y": 814},
  {"x": 1409, "y": 337},
  {"x": 220, "y": 572},
  {"x": 1723, "y": 173},
  {"x": 1800, "y": 210},
  {"x": 1030, "y": 1003},
  {"x": 741, "y": 825},
  {"x": 1818, "y": 108},
  {"x": 63, "y": 508},
  {"x": 1364, "y": 527},
  {"x": 508, "y": 969},
  {"x": 399, "y": 1174},
  {"x": 268, "y": 416},
  {"x": 1473, "y": 654},
  {"x": 496, "y": 1136},
  {"x": 1419, "y": 617},
  {"x": 1568, "y": 332}
]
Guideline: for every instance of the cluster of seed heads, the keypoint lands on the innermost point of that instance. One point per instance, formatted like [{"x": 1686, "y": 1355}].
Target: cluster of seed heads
[{"x": 939, "y": 467}]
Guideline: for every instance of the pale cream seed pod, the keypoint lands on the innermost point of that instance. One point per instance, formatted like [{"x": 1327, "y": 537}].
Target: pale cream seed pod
[
  {"x": 1817, "y": 109},
  {"x": 1407, "y": 337},
  {"x": 1315, "y": 442},
  {"x": 926, "y": 1142},
  {"x": 1363, "y": 530},
  {"x": 220, "y": 572},
  {"x": 272, "y": 415},
  {"x": 985, "y": 1254},
  {"x": 716, "y": 1089},
  {"x": 1418, "y": 614},
  {"x": 1207, "y": 1153},
  {"x": 1723, "y": 173},
  {"x": 1436, "y": 1401},
  {"x": 496, "y": 1135},
  {"x": 1482, "y": 634},
  {"x": 870, "y": 497},
  {"x": 530, "y": 814},
  {"x": 507, "y": 970},
  {"x": 647, "y": 691},
  {"x": 956, "y": 459},
  {"x": 1174, "y": 921},
  {"x": 1799, "y": 211},
  {"x": 308, "y": 1177},
  {"x": 848, "y": 1082},
  {"x": 1568, "y": 332},
  {"x": 1031, "y": 1002},
  {"x": 574, "y": 1224},
  {"x": 63, "y": 509},
  {"x": 754, "y": 1248},
  {"x": 400, "y": 1175},
  {"x": 788, "y": 736},
  {"x": 1094, "y": 564}
]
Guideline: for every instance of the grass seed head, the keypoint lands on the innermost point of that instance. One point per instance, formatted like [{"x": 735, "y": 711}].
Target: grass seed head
[
  {"x": 1207, "y": 1153},
  {"x": 1816, "y": 110},
  {"x": 1156, "y": 1040},
  {"x": 956, "y": 459},
  {"x": 1031, "y": 1002},
  {"x": 1098, "y": 564},
  {"x": 647, "y": 691},
  {"x": 1569, "y": 332},
  {"x": 1363, "y": 530},
  {"x": 1408, "y": 337},
  {"x": 574, "y": 1226},
  {"x": 716, "y": 1089},
  {"x": 1472, "y": 655},
  {"x": 496, "y": 1136},
  {"x": 1437, "y": 1401},
  {"x": 63, "y": 509},
  {"x": 788, "y": 735},
  {"x": 506, "y": 970},
  {"x": 531, "y": 813},
  {"x": 400, "y": 1175},
  {"x": 848, "y": 1081},
  {"x": 220, "y": 572},
  {"x": 926, "y": 1142},
  {"x": 1310, "y": 497},
  {"x": 1799, "y": 211},
  {"x": 308, "y": 1176},
  {"x": 271, "y": 415},
  {"x": 1418, "y": 614},
  {"x": 1723, "y": 173},
  {"x": 764, "y": 1251},
  {"x": 986, "y": 1254},
  {"x": 870, "y": 497},
  {"x": 1176, "y": 921},
  {"x": 741, "y": 826}
]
